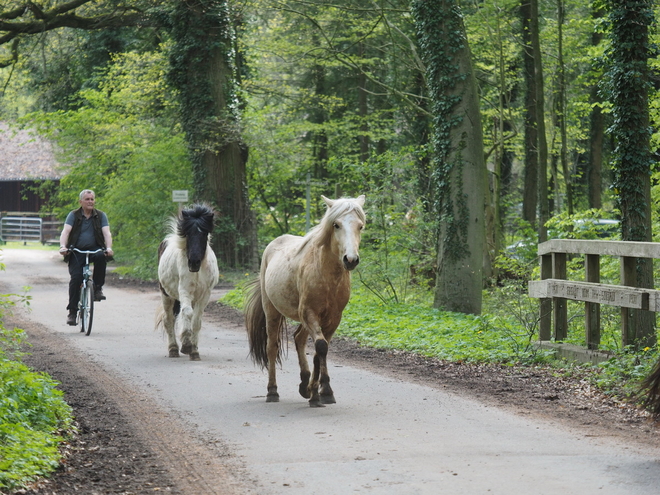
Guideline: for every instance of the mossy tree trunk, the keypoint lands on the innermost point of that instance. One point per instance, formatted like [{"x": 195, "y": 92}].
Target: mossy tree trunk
[
  {"x": 629, "y": 76},
  {"x": 203, "y": 72},
  {"x": 458, "y": 173}
]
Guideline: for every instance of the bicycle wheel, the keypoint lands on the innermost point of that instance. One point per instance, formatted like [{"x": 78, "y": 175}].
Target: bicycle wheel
[{"x": 87, "y": 308}]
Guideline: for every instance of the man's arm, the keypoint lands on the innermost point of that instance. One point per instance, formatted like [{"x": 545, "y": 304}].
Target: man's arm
[
  {"x": 107, "y": 237},
  {"x": 64, "y": 238}
]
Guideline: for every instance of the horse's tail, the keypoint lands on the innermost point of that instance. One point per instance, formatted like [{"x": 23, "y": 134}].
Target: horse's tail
[
  {"x": 255, "y": 323},
  {"x": 651, "y": 390},
  {"x": 160, "y": 317}
]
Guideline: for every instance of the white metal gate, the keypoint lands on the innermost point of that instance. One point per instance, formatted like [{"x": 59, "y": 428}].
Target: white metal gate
[{"x": 20, "y": 229}]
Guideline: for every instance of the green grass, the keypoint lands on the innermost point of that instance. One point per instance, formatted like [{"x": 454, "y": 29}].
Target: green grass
[{"x": 29, "y": 245}]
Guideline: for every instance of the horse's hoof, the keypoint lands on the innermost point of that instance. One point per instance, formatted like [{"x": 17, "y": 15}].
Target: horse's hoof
[
  {"x": 328, "y": 399},
  {"x": 186, "y": 348},
  {"x": 273, "y": 397},
  {"x": 315, "y": 403},
  {"x": 174, "y": 352},
  {"x": 304, "y": 391},
  {"x": 194, "y": 356}
]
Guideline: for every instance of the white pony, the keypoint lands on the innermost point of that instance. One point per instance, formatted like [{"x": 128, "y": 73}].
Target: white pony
[{"x": 187, "y": 271}]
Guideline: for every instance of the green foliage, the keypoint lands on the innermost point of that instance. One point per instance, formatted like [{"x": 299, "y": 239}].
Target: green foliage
[
  {"x": 32, "y": 411},
  {"x": 621, "y": 376},
  {"x": 123, "y": 143}
]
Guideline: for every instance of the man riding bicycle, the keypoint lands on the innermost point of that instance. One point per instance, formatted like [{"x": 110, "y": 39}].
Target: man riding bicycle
[{"x": 86, "y": 229}]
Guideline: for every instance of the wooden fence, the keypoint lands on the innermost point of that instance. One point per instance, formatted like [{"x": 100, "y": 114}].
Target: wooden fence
[{"x": 553, "y": 289}]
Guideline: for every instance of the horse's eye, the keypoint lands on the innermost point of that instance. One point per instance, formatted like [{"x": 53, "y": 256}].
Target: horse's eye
[{"x": 335, "y": 225}]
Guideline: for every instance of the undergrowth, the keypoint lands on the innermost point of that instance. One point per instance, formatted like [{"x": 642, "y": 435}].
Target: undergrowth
[{"x": 33, "y": 414}]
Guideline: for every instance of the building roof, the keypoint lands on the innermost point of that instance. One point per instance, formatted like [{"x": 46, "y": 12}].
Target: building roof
[{"x": 26, "y": 156}]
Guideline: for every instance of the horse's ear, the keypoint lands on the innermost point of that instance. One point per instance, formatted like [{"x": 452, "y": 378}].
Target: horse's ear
[
  {"x": 360, "y": 200},
  {"x": 329, "y": 202}
]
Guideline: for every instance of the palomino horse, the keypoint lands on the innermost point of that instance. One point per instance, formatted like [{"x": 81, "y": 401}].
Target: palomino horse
[
  {"x": 187, "y": 271},
  {"x": 306, "y": 279}
]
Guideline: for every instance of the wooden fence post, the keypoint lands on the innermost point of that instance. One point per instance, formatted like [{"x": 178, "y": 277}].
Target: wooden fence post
[
  {"x": 592, "y": 310},
  {"x": 560, "y": 312},
  {"x": 545, "y": 313},
  {"x": 628, "y": 278}
]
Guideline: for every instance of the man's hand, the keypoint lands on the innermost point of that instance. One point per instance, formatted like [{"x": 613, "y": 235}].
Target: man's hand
[
  {"x": 63, "y": 250},
  {"x": 109, "y": 252}
]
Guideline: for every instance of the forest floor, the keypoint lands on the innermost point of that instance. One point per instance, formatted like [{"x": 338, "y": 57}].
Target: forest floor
[{"x": 116, "y": 449}]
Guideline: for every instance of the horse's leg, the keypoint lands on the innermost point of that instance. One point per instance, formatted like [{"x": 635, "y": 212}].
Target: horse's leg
[
  {"x": 320, "y": 377},
  {"x": 274, "y": 322},
  {"x": 196, "y": 327},
  {"x": 184, "y": 322},
  {"x": 169, "y": 316},
  {"x": 300, "y": 336}
]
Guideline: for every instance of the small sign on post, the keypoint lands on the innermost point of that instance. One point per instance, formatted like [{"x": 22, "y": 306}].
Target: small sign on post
[{"x": 180, "y": 196}]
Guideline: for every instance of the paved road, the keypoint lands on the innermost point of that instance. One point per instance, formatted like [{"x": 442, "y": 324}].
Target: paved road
[{"x": 384, "y": 436}]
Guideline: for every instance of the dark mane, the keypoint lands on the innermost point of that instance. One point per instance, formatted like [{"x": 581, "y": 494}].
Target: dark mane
[{"x": 198, "y": 217}]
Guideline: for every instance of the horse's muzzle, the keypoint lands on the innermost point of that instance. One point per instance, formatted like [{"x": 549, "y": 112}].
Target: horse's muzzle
[
  {"x": 194, "y": 266},
  {"x": 351, "y": 264}
]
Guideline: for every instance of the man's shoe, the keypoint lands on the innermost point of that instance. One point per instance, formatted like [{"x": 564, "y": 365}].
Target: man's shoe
[
  {"x": 98, "y": 294},
  {"x": 71, "y": 319}
]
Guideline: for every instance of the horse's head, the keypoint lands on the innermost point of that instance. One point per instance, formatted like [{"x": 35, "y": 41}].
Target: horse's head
[
  {"x": 347, "y": 219},
  {"x": 195, "y": 224}
]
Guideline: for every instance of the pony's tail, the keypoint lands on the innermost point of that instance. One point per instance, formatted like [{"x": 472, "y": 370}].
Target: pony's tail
[
  {"x": 255, "y": 324},
  {"x": 651, "y": 390},
  {"x": 160, "y": 317}
]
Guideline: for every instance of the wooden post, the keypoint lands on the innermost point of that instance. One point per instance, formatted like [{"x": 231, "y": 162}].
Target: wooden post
[
  {"x": 545, "y": 316},
  {"x": 629, "y": 278},
  {"x": 592, "y": 310},
  {"x": 560, "y": 313}
]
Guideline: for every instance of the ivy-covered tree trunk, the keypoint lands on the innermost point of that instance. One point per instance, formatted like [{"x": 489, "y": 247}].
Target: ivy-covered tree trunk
[
  {"x": 203, "y": 72},
  {"x": 458, "y": 172},
  {"x": 629, "y": 76}
]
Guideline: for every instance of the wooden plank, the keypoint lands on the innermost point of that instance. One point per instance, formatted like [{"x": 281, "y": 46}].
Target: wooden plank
[
  {"x": 609, "y": 248},
  {"x": 614, "y": 295}
]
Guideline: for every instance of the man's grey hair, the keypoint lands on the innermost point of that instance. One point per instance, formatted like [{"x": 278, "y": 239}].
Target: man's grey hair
[{"x": 85, "y": 191}]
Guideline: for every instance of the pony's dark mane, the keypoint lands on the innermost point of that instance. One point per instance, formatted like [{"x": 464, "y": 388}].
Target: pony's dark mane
[{"x": 197, "y": 217}]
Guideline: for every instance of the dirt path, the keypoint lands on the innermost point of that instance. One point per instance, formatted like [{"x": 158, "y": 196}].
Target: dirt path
[{"x": 128, "y": 443}]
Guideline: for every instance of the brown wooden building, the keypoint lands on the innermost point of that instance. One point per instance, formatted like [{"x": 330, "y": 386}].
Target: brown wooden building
[{"x": 26, "y": 162}]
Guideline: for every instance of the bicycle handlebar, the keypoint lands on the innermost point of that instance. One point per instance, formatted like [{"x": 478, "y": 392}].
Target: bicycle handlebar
[{"x": 86, "y": 252}]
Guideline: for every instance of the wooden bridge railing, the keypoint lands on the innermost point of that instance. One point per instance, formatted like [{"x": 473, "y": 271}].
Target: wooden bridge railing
[{"x": 553, "y": 289}]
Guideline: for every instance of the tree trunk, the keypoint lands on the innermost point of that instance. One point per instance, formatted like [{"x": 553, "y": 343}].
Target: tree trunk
[
  {"x": 544, "y": 206},
  {"x": 596, "y": 134},
  {"x": 629, "y": 78},
  {"x": 202, "y": 71},
  {"x": 531, "y": 185},
  {"x": 561, "y": 109},
  {"x": 458, "y": 169}
]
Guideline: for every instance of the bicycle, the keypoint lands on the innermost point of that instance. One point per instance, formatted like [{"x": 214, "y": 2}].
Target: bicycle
[{"x": 85, "y": 314}]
